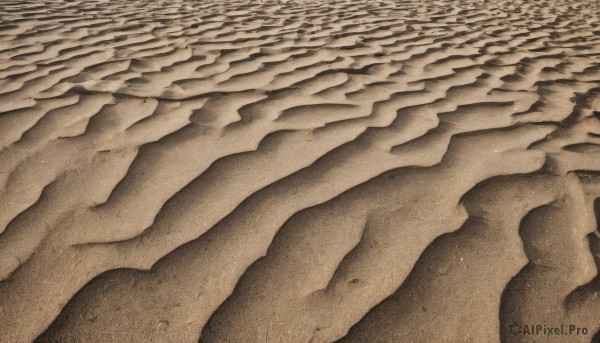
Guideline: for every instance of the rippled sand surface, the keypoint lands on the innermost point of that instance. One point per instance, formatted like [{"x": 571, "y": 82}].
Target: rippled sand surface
[{"x": 298, "y": 171}]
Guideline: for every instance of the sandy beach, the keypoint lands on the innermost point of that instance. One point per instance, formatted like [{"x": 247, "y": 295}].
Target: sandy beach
[{"x": 299, "y": 171}]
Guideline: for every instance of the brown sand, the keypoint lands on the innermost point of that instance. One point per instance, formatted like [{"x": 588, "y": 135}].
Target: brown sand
[{"x": 298, "y": 171}]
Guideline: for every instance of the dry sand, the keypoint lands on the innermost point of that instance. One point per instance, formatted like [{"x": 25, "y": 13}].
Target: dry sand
[{"x": 298, "y": 171}]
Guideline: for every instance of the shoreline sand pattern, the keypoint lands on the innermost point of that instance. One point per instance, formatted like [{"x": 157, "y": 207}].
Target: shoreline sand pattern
[{"x": 298, "y": 171}]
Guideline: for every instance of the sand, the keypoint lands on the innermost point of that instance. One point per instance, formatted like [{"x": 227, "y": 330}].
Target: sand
[{"x": 299, "y": 171}]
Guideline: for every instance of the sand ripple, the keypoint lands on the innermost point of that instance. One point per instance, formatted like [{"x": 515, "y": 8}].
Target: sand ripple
[{"x": 298, "y": 171}]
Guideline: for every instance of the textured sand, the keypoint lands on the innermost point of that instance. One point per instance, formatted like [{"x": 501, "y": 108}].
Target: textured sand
[{"x": 298, "y": 171}]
